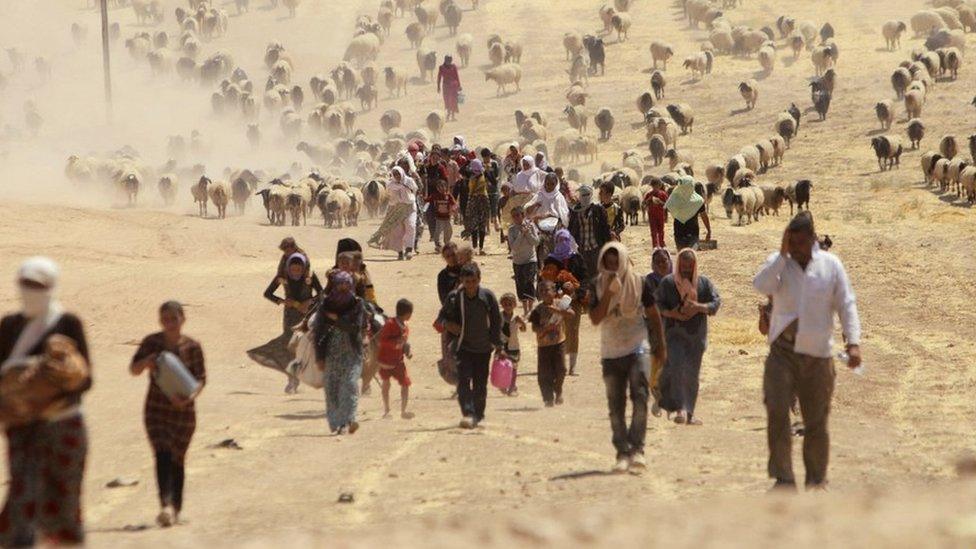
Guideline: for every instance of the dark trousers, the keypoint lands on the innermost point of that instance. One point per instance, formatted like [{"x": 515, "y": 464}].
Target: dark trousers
[
  {"x": 46, "y": 463},
  {"x": 472, "y": 386},
  {"x": 170, "y": 475},
  {"x": 551, "y": 371},
  {"x": 590, "y": 258},
  {"x": 478, "y": 239},
  {"x": 619, "y": 374},
  {"x": 812, "y": 380}
]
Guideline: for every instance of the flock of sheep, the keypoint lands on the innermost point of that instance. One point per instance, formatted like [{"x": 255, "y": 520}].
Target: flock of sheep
[{"x": 321, "y": 118}]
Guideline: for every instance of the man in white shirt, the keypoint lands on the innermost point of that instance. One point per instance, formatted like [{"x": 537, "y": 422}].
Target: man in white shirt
[{"x": 808, "y": 286}]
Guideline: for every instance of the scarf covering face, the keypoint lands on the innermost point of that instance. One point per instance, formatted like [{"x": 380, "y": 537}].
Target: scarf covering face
[
  {"x": 476, "y": 167},
  {"x": 585, "y": 196},
  {"x": 297, "y": 258},
  {"x": 40, "y": 306},
  {"x": 687, "y": 289},
  {"x": 459, "y": 144},
  {"x": 565, "y": 246},
  {"x": 628, "y": 300},
  {"x": 684, "y": 202},
  {"x": 342, "y": 292}
]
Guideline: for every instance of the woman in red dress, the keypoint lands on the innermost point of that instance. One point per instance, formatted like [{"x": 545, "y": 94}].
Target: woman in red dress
[{"x": 449, "y": 81}]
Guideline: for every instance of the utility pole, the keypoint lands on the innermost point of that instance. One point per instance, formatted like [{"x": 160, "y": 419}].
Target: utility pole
[{"x": 105, "y": 63}]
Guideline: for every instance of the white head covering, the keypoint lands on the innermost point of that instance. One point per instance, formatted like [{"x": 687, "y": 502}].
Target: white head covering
[
  {"x": 628, "y": 298},
  {"x": 405, "y": 180},
  {"x": 554, "y": 201},
  {"x": 527, "y": 180},
  {"x": 39, "y": 305},
  {"x": 41, "y": 270}
]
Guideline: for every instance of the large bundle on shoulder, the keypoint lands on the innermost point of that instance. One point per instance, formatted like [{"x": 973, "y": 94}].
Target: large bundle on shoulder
[{"x": 34, "y": 389}]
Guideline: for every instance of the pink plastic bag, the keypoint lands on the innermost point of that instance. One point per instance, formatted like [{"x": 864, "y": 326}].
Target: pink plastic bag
[{"x": 501, "y": 373}]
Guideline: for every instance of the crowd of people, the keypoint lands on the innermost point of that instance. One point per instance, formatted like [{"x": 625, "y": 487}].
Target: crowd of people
[{"x": 567, "y": 263}]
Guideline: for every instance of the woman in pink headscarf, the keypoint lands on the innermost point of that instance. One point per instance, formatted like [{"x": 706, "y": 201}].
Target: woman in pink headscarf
[{"x": 449, "y": 81}]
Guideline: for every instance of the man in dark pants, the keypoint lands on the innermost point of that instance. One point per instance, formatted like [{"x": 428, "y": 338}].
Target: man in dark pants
[
  {"x": 471, "y": 314},
  {"x": 624, "y": 309},
  {"x": 808, "y": 287}
]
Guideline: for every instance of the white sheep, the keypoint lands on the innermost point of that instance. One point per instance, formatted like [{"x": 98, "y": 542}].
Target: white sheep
[
  {"x": 362, "y": 49},
  {"x": 885, "y": 112},
  {"x": 505, "y": 75},
  {"x": 767, "y": 59},
  {"x": 395, "y": 80},
  {"x": 219, "y": 194},
  {"x": 576, "y": 116},
  {"x": 925, "y": 22},
  {"x": 892, "y": 31},
  {"x": 463, "y": 48},
  {"x": 914, "y": 100},
  {"x": 661, "y": 51},
  {"x": 749, "y": 90},
  {"x": 573, "y": 44}
]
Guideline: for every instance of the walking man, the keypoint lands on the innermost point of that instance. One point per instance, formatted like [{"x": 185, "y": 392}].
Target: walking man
[
  {"x": 472, "y": 316},
  {"x": 808, "y": 287}
]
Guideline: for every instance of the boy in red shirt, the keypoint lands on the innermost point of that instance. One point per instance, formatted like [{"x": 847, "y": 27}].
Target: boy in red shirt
[
  {"x": 392, "y": 349},
  {"x": 443, "y": 203},
  {"x": 656, "y": 214}
]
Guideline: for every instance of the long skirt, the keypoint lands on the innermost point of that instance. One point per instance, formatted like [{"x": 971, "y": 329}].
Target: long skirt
[
  {"x": 344, "y": 367},
  {"x": 398, "y": 230},
  {"x": 573, "y": 329},
  {"x": 46, "y": 464},
  {"x": 477, "y": 215},
  {"x": 275, "y": 353},
  {"x": 679, "y": 378},
  {"x": 450, "y": 99}
]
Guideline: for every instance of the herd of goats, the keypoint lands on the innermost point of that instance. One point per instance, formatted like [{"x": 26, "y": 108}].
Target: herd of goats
[{"x": 350, "y": 168}]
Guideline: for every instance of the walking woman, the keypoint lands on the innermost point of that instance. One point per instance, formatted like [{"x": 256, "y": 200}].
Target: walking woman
[
  {"x": 339, "y": 329},
  {"x": 170, "y": 421},
  {"x": 399, "y": 228},
  {"x": 301, "y": 287},
  {"x": 686, "y": 300},
  {"x": 687, "y": 207},
  {"x": 478, "y": 214},
  {"x": 449, "y": 81},
  {"x": 46, "y": 452},
  {"x": 566, "y": 255}
]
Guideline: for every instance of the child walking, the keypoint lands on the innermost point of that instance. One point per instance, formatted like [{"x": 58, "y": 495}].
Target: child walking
[
  {"x": 656, "y": 214},
  {"x": 392, "y": 349},
  {"x": 443, "y": 204},
  {"x": 548, "y": 322},
  {"x": 523, "y": 238},
  {"x": 512, "y": 324}
]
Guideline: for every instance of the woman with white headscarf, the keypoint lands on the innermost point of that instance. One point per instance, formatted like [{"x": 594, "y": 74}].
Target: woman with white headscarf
[
  {"x": 549, "y": 202},
  {"x": 524, "y": 186},
  {"x": 48, "y": 447},
  {"x": 399, "y": 228}
]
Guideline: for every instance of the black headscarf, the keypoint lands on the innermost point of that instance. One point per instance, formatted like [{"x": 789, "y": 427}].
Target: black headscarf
[{"x": 347, "y": 245}]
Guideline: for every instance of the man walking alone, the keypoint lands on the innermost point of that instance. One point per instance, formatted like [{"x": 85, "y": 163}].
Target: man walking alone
[{"x": 808, "y": 286}]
